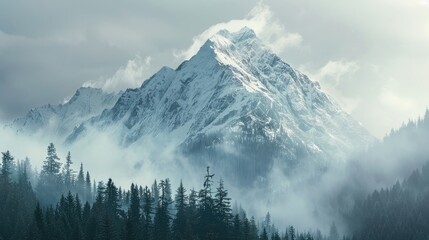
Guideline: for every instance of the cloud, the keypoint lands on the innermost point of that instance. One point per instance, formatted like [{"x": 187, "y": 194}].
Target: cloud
[
  {"x": 331, "y": 76},
  {"x": 390, "y": 98},
  {"x": 333, "y": 71},
  {"x": 130, "y": 76},
  {"x": 261, "y": 20}
]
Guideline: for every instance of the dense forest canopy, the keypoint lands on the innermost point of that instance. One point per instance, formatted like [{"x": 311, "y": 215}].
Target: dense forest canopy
[
  {"x": 59, "y": 202},
  {"x": 66, "y": 205}
]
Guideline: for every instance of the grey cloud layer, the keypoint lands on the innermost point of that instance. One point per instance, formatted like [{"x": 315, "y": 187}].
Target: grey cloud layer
[{"x": 49, "y": 48}]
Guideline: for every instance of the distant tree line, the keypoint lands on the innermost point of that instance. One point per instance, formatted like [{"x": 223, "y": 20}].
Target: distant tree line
[
  {"x": 69, "y": 206},
  {"x": 396, "y": 213}
]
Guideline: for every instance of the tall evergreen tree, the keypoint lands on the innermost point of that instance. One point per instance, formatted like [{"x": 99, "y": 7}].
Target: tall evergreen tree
[
  {"x": 222, "y": 207},
  {"x": 292, "y": 234},
  {"x": 162, "y": 217},
  {"x": 38, "y": 231},
  {"x": 51, "y": 164},
  {"x": 133, "y": 224},
  {"x": 112, "y": 209},
  {"x": 180, "y": 221},
  {"x": 68, "y": 172},
  {"x": 7, "y": 166},
  {"x": 88, "y": 191},
  {"x": 147, "y": 207},
  {"x": 80, "y": 182},
  {"x": 254, "y": 229},
  {"x": 192, "y": 214},
  {"x": 206, "y": 209},
  {"x": 264, "y": 235},
  {"x": 49, "y": 187},
  {"x": 236, "y": 228},
  {"x": 155, "y": 193}
]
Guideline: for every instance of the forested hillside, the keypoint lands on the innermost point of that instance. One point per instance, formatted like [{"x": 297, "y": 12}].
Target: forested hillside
[
  {"x": 400, "y": 212},
  {"x": 69, "y": 206}
]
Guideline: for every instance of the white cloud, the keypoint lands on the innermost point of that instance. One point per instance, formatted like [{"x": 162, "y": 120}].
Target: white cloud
[
  {"x": 261, "y": 20},
  {"x": 331, "y": 75},
  {"x": 130, "y": 76},
  {"x": 389, "y": 97},
  {"x": 333, "y": 72}
]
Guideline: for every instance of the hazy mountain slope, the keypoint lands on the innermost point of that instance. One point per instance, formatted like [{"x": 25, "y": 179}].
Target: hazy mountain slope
[
  {"x": 237, "y": 104},
  {"x": 59, "y": 120}
]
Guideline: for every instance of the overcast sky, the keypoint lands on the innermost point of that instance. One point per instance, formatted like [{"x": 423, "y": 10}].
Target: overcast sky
[{"x": 372, "y": 56}]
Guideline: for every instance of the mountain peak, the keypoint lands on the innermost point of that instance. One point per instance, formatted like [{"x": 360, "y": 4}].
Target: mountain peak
[
  {"x": 241, "y": 35},
  {"x": 84, "y": 92},
  {"x": 235, "y": 49},
  {"x": 224, "y": 38}
]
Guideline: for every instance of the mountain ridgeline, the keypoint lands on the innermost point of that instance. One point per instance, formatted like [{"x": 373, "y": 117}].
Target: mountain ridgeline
[{"x": 236, "y": 106}]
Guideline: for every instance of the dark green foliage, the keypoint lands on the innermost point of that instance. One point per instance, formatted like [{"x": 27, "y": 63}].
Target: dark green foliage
[
  {"x": 180, "y": 222},
  {"x": 17, "y": 199},
  {"x": 206, "y": 211},
  {"x": 133, "y": 223},
  {"x": 68, "y": 172},
  {"x": 147, "y": 210},
  {"x": 80, "y": 182},
  {"x": 48, "y": 188},
  {"x": 264, "y": 235},
  {"x": 149, "y": 215},
  {"x": 400, "y": 212},
  {"x": 292, "y": 234},
  {"x": 6, "y": 167},
  {"x": 88, "y": 192},
  {"x": 222, "y": 209},
  {"x": 162, "y": 214}
]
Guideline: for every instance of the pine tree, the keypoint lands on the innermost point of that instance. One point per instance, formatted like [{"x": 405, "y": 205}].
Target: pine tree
[
  {"x": 292, "y": 234},
  {"x": 236, "y": 228},
  {"x": 155, "y": 193},
  {"x": 112, "y": 211},
  {"x": 180, "y": 221},
  {"x": 80, "y": 183},
  {"x": 275, "y": 236},
  {"x": 133, "y": 223},
  {"x": 7, "y": 168},
  {"x": 246, "y": 229},
  {"x": 88, "y": 192},
  {"x": 147, "y": 206},
  {"x": 267, "y": 223},
  {"x": 206, "y": 208},
  {"x": 222, "y": 206},
  {"x": 162, "y": 218},
  {"x": 192, "y": 214},
  {"x": 96, "y": 224},
  {"x": 264, "y": 235},
  {"x": 94, "y": 189},
  {"x": 253, "y": 229},
  {"x": 38, "y": 230},
  {"x": 49, "y": 187},
  {"x": 68, "y": 172},
  {"x": 51, "y": 164}
]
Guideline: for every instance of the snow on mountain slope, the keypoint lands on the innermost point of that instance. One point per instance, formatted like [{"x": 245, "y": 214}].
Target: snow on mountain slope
[
  {"x": 59, "y": 120},
  {"x": 236, "y": 103}
]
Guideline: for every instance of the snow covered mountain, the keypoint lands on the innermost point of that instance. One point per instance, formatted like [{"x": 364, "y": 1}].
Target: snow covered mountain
[
  {"x": 60, "y": 120},
  {"x": 236, "y": 104}
]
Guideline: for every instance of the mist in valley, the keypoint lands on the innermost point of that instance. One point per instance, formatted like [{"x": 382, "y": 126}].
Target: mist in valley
[{"x": 308, "y": 198}]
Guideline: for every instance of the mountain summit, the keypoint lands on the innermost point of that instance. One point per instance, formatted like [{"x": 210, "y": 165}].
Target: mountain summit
[{"x": 235, "y": 105}]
